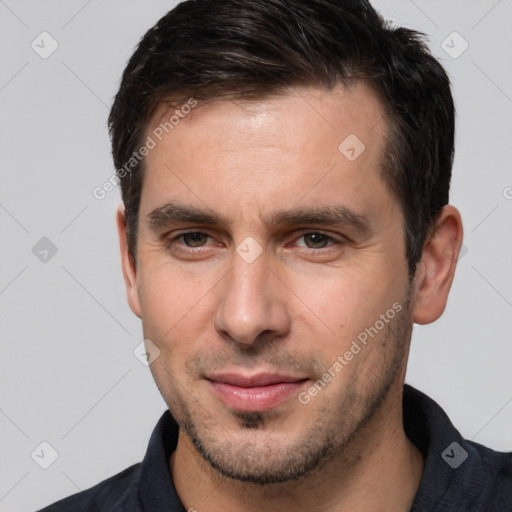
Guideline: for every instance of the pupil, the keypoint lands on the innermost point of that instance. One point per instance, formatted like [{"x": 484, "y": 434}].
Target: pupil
[
  {"x": 317, "y": 238},
  {"x": 194, "y": 239}
]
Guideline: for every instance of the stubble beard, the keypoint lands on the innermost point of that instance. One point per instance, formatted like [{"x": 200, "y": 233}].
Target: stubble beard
[{"x": 260, "y": 456}]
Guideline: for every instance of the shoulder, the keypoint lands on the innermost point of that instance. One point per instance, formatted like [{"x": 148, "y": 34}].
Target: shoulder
[
  {"x": 458, "y": 474},
  {"x": 496, "y": 485},
  {"x": 116, "y": 493}
]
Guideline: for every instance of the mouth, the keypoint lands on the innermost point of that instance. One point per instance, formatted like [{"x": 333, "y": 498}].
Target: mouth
[{"x": 260, "y": 392}]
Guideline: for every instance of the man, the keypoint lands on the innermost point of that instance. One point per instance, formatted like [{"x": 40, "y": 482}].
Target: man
[{"x": 285, "y": 170}]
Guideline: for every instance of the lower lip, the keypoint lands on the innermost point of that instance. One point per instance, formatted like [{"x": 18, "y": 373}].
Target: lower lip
[{"x": 260, "y": 398}]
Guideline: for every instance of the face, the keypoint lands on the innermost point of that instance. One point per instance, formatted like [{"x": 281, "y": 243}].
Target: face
[{"x": 271, "y": 277}]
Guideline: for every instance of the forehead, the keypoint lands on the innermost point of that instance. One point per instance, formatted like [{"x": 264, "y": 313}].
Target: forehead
[
  {"x": 306, "y": 144},
  {"x": 310, "y": 109}
]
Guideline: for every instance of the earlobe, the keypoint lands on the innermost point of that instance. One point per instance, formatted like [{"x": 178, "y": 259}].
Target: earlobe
[
  {"x": 129, "y": 270},
  {"x": 435, "y": 272}
]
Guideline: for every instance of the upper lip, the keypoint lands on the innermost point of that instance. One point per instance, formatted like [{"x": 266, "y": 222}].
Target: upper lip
[{"x": 250, "y": 381}]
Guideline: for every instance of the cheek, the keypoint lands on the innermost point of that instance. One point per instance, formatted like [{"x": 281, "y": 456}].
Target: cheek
[
  {"x": 174, "y": 309},
  {"x": 340, "y": 307},
  {"x": 339, "y": 297}
]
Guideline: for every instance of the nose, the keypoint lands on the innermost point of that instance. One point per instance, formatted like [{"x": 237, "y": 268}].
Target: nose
[{"x": 252, "y": 305}]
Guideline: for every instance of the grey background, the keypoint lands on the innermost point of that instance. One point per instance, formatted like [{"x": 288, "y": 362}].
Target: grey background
[{"x": 68, "y": 375}]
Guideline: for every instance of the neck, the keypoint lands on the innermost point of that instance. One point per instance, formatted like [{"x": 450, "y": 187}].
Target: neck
[{"x": 378, "y": 469}]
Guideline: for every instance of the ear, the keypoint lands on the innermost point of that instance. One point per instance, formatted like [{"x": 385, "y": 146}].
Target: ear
[
  {"x": 129, "y": 270},
  {"x": 435, "y": 271}
]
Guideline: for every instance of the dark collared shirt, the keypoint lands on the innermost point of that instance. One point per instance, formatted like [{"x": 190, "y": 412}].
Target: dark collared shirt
[{"x": 458, "y": 476}]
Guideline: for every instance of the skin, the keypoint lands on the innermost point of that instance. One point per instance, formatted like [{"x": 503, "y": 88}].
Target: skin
[{"x": 294, "y": 309}]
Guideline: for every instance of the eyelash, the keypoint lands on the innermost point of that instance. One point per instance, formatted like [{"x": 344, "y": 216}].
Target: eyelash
[{"x": 330, "y": 240}]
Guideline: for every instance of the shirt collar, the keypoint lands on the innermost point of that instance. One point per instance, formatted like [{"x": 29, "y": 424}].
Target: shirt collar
[
  {"x": 156, "y": 488},
  {"x": 454, "y": 473}
]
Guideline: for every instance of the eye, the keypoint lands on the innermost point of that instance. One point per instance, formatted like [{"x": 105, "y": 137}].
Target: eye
[
  {"x": 315, "y": 240},
  {"x": 192, "y": 239}
]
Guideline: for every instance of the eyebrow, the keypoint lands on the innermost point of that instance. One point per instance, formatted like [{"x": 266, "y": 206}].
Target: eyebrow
[{"x": 329, "y": 215}]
